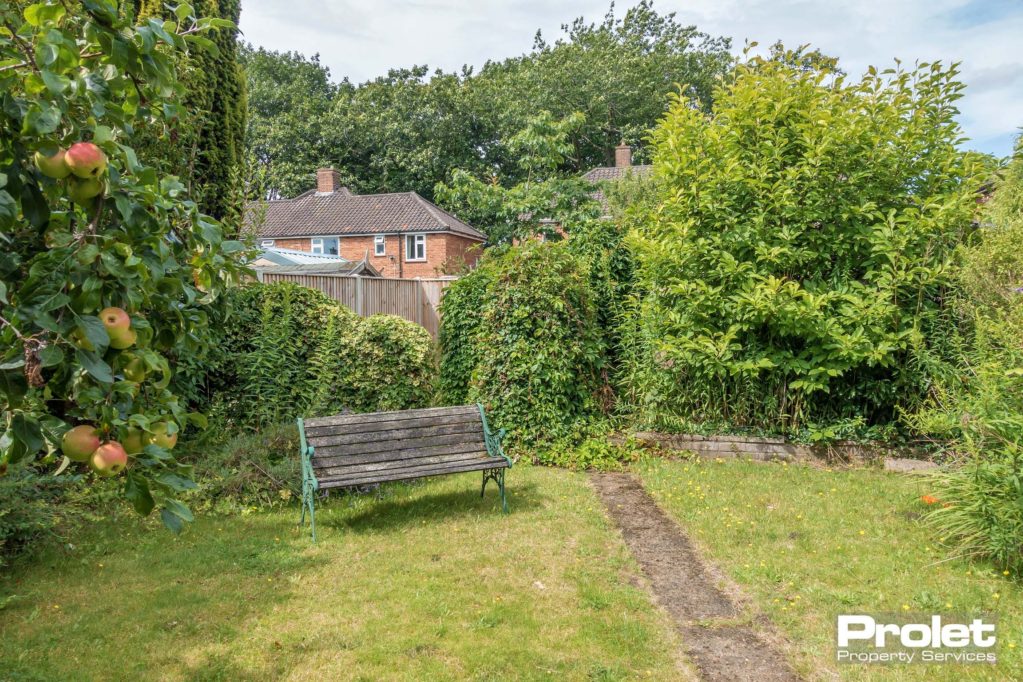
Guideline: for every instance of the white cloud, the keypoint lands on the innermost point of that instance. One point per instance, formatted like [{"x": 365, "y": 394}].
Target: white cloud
[{"x": 362, "y": 40}]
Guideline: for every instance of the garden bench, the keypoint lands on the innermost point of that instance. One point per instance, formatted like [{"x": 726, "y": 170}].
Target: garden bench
[{"x": 349, "y": 450}]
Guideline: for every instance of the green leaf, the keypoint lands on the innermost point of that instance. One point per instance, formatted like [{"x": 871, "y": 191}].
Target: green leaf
[
  {"x": 136, "y": 490},
  {"x": 27, "y": 431},
  {"x": 95, "y": 366},
  {"x": 94, "y": 331},
  {"x": 178, "y": 509},
  {"x": 51, "y": 356},
  {"x": 171, "y": 521}
]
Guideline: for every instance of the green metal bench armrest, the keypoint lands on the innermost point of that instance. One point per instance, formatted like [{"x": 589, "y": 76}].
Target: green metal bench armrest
[{"x": 493, "y": 440}]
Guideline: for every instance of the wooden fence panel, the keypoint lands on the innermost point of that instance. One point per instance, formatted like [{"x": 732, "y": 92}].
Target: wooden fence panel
[{"x": 417, "y": 300}]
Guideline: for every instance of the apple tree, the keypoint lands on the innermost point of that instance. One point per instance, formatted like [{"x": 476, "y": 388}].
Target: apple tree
[{"x": 105, "y": 266}]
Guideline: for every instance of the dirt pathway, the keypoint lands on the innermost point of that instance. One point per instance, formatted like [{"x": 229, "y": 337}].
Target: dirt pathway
[{"x": 713, "y": 637}]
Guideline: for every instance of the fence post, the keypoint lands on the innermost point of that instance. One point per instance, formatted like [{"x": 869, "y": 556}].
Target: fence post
[{"x": 360, "y": 299}]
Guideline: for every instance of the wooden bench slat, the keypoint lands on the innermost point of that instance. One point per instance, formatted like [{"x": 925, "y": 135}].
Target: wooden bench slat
[
  {"x": 390, "y": 425},
  {"x": 412, "y": 472},
  {"x": 390, "y": 464},
  {"x": 346, "y": 438},
  {"x": 390, "y": 416},
  {"x": 334, "y": 460},
  {"x": 401, "y": 445}
]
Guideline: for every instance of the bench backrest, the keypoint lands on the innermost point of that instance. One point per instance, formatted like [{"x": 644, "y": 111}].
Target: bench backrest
[{"x": 354, "y": 449}]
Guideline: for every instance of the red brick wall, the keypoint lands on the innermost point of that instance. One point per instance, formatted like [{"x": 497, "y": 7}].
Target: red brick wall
[{"x": 440, "y": 248}]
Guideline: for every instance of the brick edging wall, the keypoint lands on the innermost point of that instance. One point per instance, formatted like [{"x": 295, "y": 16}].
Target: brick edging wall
[{"x": 764, "y": 449}]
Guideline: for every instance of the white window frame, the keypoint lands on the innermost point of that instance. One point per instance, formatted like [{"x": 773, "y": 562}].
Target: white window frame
[
  {"x": 415, "y": 240},
  {"x": 266, "y": 243},
  {"x": 318, "y": 245},
  {"x": 379, "y": 245}
]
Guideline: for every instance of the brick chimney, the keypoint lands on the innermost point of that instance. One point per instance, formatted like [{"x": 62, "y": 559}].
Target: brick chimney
[
  {"x": 328, "y": 181},
  {"x": 623, "y": 155}
]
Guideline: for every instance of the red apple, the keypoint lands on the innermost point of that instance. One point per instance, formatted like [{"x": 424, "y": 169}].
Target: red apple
[
  {"x": 109, "y": 459},
  {"x": 159, "y": 436},
  {"x": 82, "y": 192},
  {"x": 52, "y": 166},
  {"x": 118, "y": 326},
  {"x": 86, "y": 160},
  {"x": 79, "y": 443}
]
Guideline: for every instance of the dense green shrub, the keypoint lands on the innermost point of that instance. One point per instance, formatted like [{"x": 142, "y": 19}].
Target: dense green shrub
[
  {"x": 288, "y": 350},
  {"x": 28, "y": 507},
  {"x": 797, "y": 267},
  {"x": 981, "y": 491},
  {"x": 537, "y": 349},
  {"x": 460, "y": 327},
  {"x": 387, "y": 363}
]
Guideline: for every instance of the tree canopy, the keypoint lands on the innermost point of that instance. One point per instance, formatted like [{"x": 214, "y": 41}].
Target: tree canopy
[{"x": 407, "y": 129}]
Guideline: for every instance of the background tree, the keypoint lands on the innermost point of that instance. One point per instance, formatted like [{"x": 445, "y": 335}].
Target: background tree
[
  {"x": 408, "y": 129},
  {"x": 797, "y": 267},
  {"x": 546, "y": 201},
  {"x": 204, "y": 144},
  {"x": 289, "y": 134},
  {"x": 138, "y": 244}
]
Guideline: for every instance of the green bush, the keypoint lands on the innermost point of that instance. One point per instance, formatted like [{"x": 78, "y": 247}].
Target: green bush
[
  {"x": 287, "y": 350},
  {"x": 29, "y": 507},
  {"x": 387, "y": 363},
  {"x": 537, "y": 353},
  {"x": 797, "y": 267},
  {"x": 460, "y": 327},
  {"x": 981, "y": 412}
]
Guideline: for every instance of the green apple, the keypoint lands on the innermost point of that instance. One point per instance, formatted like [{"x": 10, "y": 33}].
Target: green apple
[
  {"x": 80, "y": 442},
  {"x": 132, "y": 441},
  {"x": 159, "y": 436},
  {"x": 109, "y": 459},
  {"x": 81, "y": 340},
  {"x": 135, "y": 370},
  {"x": 86, "y": 160},
  {"x": 52, "y": 166},
  {"x": 82, "y": 192}
]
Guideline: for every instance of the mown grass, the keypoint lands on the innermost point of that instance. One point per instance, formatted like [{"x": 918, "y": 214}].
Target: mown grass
[
  {"x": 426, "y": 583},
  {"x": 807, "y": 544}
]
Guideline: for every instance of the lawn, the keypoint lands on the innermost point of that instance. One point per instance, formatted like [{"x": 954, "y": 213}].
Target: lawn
[
  {"x": 806, "y": 544},
  {"x": 428, "y": 582}
]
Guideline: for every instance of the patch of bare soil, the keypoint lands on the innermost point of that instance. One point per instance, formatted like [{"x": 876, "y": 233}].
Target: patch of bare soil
[{"x": 713, "y": 629}]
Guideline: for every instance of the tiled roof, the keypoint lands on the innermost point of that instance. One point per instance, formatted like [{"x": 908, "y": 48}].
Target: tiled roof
[
  {"x": 342, "y": 213},
  {"x": 613, "y": 174}
]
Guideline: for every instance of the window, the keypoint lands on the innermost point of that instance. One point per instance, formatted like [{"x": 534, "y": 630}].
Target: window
[
  {"x": 415, "y": 247},
  {"x": 379, "y": 249},
  {"x": 324, "y": 245},
  {"x": 266, "y": 243}
]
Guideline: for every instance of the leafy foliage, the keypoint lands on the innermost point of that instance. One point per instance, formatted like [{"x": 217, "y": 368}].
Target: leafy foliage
[
  {"x": 208, "y": 137},
  {"x": 545, "y": 201},
  {"x": 291, "y": 351},
  {"x": 88, "y": 74},
  {"x": 537, "y": 354},
  {"x": 28, "y": 507},
  {"x": 387, "y": 363},
  {"x": 407, "y": 129},
  {"x": 981, "y": 410},
  {"x": 796, "y": 268}
]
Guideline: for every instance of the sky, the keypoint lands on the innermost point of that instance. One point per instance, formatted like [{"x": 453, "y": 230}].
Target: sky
[{"x": 362, "y": 39}]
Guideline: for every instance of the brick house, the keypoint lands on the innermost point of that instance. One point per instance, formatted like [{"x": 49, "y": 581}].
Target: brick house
[{"x": 400, "y": 234}]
